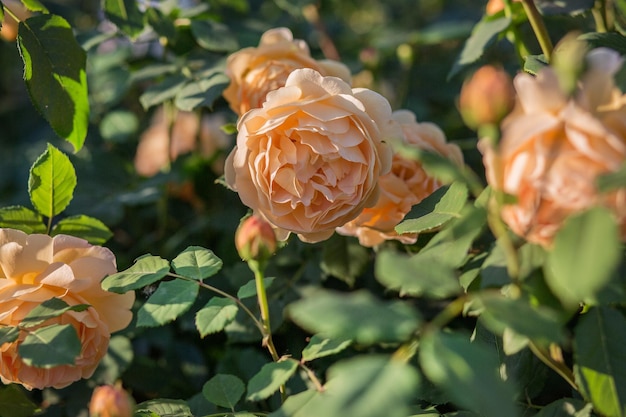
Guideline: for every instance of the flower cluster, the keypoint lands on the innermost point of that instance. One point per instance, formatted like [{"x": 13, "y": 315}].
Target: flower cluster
[
  {"x": 313, "y": 154},
  {"x": 35, "y": 268}
]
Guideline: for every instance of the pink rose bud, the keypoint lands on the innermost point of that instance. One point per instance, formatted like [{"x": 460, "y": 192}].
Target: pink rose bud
[
  {"x": 255, "y": 239},
  {"x": 486, "y": 97},
  {"x": 110, "y": 401}
]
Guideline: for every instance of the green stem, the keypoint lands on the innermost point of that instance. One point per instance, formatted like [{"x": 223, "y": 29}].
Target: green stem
[
  {"x": 513, "y": 34},
  {"x": 318, "y": 385},
  {"x": 539, "y": 27}
]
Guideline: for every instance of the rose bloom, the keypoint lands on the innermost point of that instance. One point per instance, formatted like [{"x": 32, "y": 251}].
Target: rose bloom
[
  {"x": 35, "y": 268},
  {"x": 255, "y": 71},
  {"x": 553, "y": 149},
  {"x": 309, "y": 160},
  {"x": 111, "y": 401},
  {"x": 404, "y": 186}
]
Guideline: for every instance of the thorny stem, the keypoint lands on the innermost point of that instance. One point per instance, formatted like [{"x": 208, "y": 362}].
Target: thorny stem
[
  {"x": 556, "y": 366},
  {"x": 539, "y": 27}
]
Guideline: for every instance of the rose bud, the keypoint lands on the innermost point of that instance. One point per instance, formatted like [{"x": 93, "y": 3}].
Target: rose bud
[
  {"x": 110, "y": 401},
  {"x": 255, "y": 239},
  {"x": 486, "y": 97}
]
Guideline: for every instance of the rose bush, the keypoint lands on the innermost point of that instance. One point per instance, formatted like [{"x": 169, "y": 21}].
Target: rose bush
[
  {"x": 404, "y": 186},
  {"x": 554, "y": 148},
  {"x": 255, "y": 71},
  {"x": 309, "y": 160},
  {"x": 35, "y": 268}
]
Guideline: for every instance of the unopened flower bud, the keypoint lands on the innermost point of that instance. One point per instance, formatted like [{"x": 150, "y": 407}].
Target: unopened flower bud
[
  {"x": 111, "y": 401},
  {"x": 255, "y": 239},
  {"x": 486, "y": 97}
]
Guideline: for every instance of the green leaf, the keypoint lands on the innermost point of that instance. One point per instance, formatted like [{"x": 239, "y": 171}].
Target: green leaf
[
  {"x": 295, "y": 404},
  {"x": 160, "y": 23},
  {"x": 34, "y": 6},
  {"x": 163, "y": 407},
  {"x": 358, "y": 316},
  {"x": 468, "y": 374},
  {"x": 51, "y": 182},
  {"x": 611, "y": 40},
  {"x": 14, "y": 402},
  {"x": 169, "y": 301},
  {"x": 566, "y": 407},
  {"x": 1, "y": 14},
  {"x": 145, "y": 271},
  {"x": 435, "y": 210},
  {"x": 163, "y": 91},
  {"x": 54, "y": 71},
  {"x": 320, "y": 347},
  {"x": 201, "y": 93},
  {"x": 214, "y": 36},
  {"x": 125, "y": 15},
  {"x": 197, "y": 263},
  {"x": 249, "y": 288},
  {"x": 224, "y": 390},
  {"x": 50, "y": 346},
  {"x": 344, "y": 259},
  {"x": 215, "y": 315},
  {"x": 49, "y": 309},
  {"x": 416, "y": 275},
  {"x": 8, "y": 334},
  {"x": 84, "y": 227},
  {"x": 599, "y": 358},
  {"x": 269, "y": 379},
  {"x": 21, "y": 218},
  {"x": 613, "y": 180},
  {"x": 484, "y": 34},
  {"x": 594, "y": 238},
  {"x": 535, "y": 63},
  {"x": 118, "y": 126},
  {"x": 118, "y": 358}
]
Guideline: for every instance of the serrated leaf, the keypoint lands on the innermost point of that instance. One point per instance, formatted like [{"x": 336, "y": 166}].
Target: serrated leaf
[
  {"x": 320, "y": 347},
  {"x": 535, "y": 63},
  {"x": 84, "y": 227},
  {"x": 49, "y": 309},
  {"x": 125, "y": 15},
  {"x": 224, "y": 390},
  {"x": 344, "y": 259},
  {"x": 145, "y": 271},
  {"x": 248, "y": 289},
  {"x": 467, "y": 372},
  {"x": 34, "y": 6},
  {"x": 54, "y": 71},
  {"x": 435, "y": 210},
  {"x": 215, "y": 315},
  {"x": 197, "y": 263},
  {"x": 51, "y": 182},
  {"x": 21, "y": 218},
  {"x": 8, "y": 334},
  {"x": 14, "y": 402},
  {"x": 169, "y": 301},
  {"x": 163, "y": 91},
  {"x": 214, "y": 36},
  {"x": 164, "y": 407},
  {"x": 269, "y": 379},
  {"x": 201, "y": 93},
  {"x": 594, "y": 239},
  {"x": 358, "y": 316},
  {"x": 599, "y": 358},
  {"x": 50, "y": 346}
]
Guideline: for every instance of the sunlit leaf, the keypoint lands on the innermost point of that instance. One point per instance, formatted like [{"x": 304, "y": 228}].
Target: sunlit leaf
[
  {"x": 34, "y": 6},
  {"x": 125, "y": 15},
  {"x": 145, "y": 271},
  {"x": 535, "y": 63},
  {"x": 196, "y": 262},
  {"x": 201, "y": 93},
  {"x": 320, "y": 347},
  {"x": 49, "y": 309},
  {"x": 169, "y": 301},
  {"x": 249, "y": 288},
  {"x": 163, "y": 407},
  {"x": 269, "y": 379},
  {"x": 9, "y": 334},
  {"x": 51, "y": 183},
  {"x": 163, "y": 91},
  {"x": 54, "y": 71},
  {"x": 50, "y": 346},
  {"x": 21, "y": 218},
  {"x": 84, "y": 227},
  {"x": 224, "y": 390},
  {"x": 215, "y": 315}
]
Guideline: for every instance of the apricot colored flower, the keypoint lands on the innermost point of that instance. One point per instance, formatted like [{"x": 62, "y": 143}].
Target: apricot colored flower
[
  {"x": 255, "y": 71},
  {"x": 309, "y": 160},
  {"x": 110, "y": 401},
  {"x": 404, "y": 186},
  {"x": 554, "y": 147},
  {"x": 35, "y": 268}
]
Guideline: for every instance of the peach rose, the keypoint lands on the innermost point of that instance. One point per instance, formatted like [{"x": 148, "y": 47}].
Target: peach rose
[
  {"x": 309, "y": 160},
  {"x": 255, "y": 71},
  {"x": 554, "y": 147},
  {"x": 404, "y": 186},
  {"x": 35, "y": 268}
]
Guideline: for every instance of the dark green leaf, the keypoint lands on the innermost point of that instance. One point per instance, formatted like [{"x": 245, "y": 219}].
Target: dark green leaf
[
  {"x": 169, "y": 301},
  {"x": 612, "y": 181},
  {"x": 358, "y": 316},
  {"x": 145, "y": 271},
  {"x": 14, "y": 402},
  {"x": 566, "y": 407},
  {"x": 468, "y": 373},
  {"x": 569, "y": 7},
  {"x": 214, "y": 36},
  {"x": 54, "y": 71},
  {"x": 224, "y": 390},
  {"x": 435, "y": 210},
  {"x": 84, "y": 227},
  {"x": 201, "y": 93},
  {"x": 586, "y": 252},
  {"x": 320, "y": 347},
  {"x": 51, "y": 182},
  {"x": 160, "y": 23},
  {"x": 125, "y": 15},
  {"x": 344, "y": 258},
  {"x": 49, "y": 309},
  {"x": 8, "y": 334},
  {"x": 269, "y": 379},
  {"x": 608, "y": 40},
  {"x": 21, "y": 218},
  {"x": 215, "y": 315},
  {"x": 163, "y": 91},
  {"x": 34, "y": 6},
  {"x": 118, "y": 358},
  {"x": 599, "y": 358},
  {"x": 50, "y": 346},
  {"x": 197, "y": 263},
  {"x": 249, "y": 288}
]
